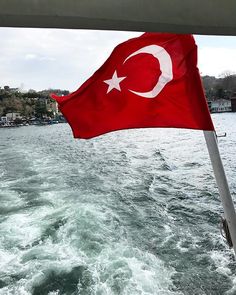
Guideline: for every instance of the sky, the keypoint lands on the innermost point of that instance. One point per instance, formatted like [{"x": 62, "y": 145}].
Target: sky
[{"x": 55, "y": 58}]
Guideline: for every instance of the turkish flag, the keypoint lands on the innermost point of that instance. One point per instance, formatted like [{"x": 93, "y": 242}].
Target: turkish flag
[{"x": 149, "y": 81}]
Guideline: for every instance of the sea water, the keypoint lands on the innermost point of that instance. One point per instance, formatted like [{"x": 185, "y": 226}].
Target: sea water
[{"x": 130, "y": 212}]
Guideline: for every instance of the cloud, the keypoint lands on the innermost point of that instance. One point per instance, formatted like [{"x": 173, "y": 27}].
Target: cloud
[
  {"x": 215, "y": 61},
  {"x": 53, "y": 58},
  {"x": 43, "y": 58},
  {"x": 30, "y": 56}
]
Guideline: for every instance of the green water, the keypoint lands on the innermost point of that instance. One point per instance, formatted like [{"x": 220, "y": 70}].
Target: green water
[{"x": 130, "y": 212}]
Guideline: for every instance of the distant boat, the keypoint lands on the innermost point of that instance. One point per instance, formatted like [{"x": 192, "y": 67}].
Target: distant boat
[{"x": 9, "y": 126}]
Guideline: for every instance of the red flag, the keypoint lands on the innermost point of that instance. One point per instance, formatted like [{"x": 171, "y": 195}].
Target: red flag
[{"x": 149, "y": 81}]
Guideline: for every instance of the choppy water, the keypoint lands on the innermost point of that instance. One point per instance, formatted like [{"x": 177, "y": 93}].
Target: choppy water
[{"x": 131, "y": 212}]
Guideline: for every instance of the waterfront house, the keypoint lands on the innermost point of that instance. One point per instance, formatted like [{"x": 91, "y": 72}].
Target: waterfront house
[
  {"x": 233, "y": 102},
  {"x": 220, "y": 105},
  {"x": 52, "y": 106},
  {"x": 3, "y": 120},
  {"x": 13, "y": 116}
]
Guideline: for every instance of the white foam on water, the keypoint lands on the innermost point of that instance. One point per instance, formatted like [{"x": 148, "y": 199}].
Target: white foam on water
[
  {"x": 18, "y": 290},
  {"x": 5, "y": 258},
  {"x": 221, "y": 261},
  {"x": 180, "y": 247},
  {"x": 54, "y": 292},
  {"x": 117, "y": 267},
  {"x": 10, "y": 199},
  {"x": 232, "y": 291},
  {"x": 75, "y": 228},
  {"x": 188, "y": 240},
  {"x": 121, "y": 266},
  {"x": 18, "y": 234},
  {"x": 2, "y": 172},
  {"x": 168, "y": 234},
  {"x": 18, "y": 228},
  {"x": 127, "y": 270},
  {"x": 37, "y": 263}
]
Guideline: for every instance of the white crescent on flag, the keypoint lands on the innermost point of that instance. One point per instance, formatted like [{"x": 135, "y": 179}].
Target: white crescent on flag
[{"x": 165, "y": 66}]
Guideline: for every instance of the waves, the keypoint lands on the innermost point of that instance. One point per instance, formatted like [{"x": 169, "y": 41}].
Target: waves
[{"x": 132, "y": 212}]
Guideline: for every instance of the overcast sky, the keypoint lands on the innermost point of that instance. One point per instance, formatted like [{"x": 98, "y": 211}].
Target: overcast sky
[{"x": 51, "y": 58}]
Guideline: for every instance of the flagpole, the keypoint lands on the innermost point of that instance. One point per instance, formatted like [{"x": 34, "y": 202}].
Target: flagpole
[{"x": 221, "y": 180}]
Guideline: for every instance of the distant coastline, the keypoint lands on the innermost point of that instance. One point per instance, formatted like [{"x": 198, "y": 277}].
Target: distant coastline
[
  {"x": 29, "y": 108},
  {"x": 23, "y": 108}
]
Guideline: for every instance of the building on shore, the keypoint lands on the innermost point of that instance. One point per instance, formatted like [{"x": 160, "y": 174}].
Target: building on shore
[
  {"x": 13, "y": 116},
  {"x": 52, "y": 106},
  {"x": 3, "y": 120},
  {"x": 220, "y": 105},
  {"x": 233, "y": 102}
]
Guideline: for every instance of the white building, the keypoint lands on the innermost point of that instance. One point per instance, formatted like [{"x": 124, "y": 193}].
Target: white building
[
  {"x": 52, "y": 106},
  {"x": 221, "y": 105},
  {"x": 13, "y": 116},
  {"x": 4, "y": 120}
]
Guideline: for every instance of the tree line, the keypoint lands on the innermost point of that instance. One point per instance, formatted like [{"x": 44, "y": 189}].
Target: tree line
[
  {"x": 222, "y": 87},
  {"x": 29, "y": 104},
  {"x": 33, "y": 103}
]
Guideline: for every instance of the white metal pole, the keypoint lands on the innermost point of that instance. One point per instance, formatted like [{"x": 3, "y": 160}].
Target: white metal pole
[{"x": 221, "y": 180}]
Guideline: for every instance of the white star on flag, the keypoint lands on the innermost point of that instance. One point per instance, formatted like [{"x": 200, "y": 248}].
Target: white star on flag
[{"x": 114, "y": 82}]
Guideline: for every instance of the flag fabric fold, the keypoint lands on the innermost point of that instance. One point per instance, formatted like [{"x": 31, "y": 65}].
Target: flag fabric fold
[{"x": 149, "y": 81}]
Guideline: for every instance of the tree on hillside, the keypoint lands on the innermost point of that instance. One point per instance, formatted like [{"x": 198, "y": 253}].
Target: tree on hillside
[
  {"x": 28, "y": 110},
  {"x": 1, "y": 110},
  {"x": 228, "y": 82},
  {"x": 40, "y": 109},
  {"x": 11, "y": 105},
  {"x": 222, "y": 87}
]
